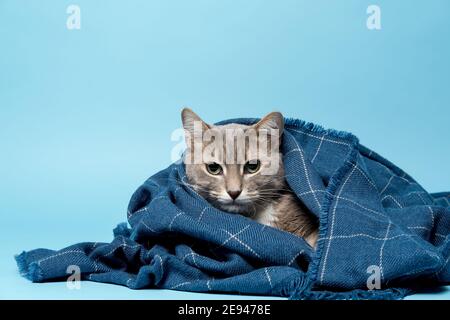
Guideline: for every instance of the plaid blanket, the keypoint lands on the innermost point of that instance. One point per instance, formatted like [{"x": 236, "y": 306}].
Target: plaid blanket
[{"x": 382, "y": 235}]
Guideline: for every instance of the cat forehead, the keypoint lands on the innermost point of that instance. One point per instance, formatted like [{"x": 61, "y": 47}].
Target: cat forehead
[{"x": 231, "y": 127}]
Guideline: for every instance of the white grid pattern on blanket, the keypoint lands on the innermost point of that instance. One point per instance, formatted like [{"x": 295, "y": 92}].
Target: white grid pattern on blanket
[{"x": 240, "y": 241}]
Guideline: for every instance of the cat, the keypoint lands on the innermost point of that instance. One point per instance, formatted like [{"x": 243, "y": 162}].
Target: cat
[{"x": 247, "y": 187}]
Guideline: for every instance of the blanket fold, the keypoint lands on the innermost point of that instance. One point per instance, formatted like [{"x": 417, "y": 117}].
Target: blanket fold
[{"x": 380, "y": 232}]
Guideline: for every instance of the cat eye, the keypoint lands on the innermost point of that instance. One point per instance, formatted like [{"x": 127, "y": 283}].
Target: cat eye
[
  {"x": 252, "y": 166},
  {"x": 214, "y": 168}
]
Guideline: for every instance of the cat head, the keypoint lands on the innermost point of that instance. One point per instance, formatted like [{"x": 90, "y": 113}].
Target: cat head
[{"x": 237, "y": 168}]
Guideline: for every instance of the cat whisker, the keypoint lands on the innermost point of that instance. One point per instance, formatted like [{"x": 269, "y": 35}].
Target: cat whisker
[{"x": 193, "y": 186}]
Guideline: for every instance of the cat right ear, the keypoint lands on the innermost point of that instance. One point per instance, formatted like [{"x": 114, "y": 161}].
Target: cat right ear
[
  {"x": 191, "y": 121},
  {"x": 272, "y": 121}
]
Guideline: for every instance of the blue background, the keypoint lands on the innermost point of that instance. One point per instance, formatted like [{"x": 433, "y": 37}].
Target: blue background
[{"x": 86, "y": 115}]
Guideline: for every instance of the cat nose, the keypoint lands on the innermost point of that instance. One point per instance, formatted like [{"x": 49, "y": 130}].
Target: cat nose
[{"x": 234, "y": 194}]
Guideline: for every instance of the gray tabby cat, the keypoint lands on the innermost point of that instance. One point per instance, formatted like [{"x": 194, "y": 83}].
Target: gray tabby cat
[{"x": 243, "y": 188}]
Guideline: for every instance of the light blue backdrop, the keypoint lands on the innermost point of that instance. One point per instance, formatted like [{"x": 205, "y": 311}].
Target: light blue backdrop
[{"x": 86, "y": 115}]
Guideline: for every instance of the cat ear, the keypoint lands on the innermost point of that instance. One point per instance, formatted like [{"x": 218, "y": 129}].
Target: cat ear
[
  {"x": 273, "y": 120},
  {"x": 189, "y": 119}
]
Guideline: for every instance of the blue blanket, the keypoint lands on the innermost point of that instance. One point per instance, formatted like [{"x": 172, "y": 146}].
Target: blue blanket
[{"x": 382, "y": 236}]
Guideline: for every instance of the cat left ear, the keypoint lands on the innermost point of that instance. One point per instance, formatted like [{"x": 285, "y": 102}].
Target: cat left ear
[
  {"x": 272, "y": 121},
  {"x": 190, "y": 118}
]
